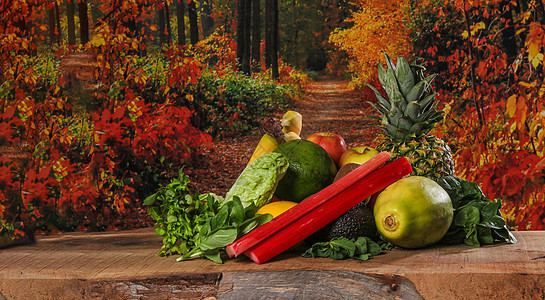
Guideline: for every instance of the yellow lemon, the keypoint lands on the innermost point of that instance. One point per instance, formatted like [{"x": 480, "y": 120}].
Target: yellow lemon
[{"x": 276, "y": 208}]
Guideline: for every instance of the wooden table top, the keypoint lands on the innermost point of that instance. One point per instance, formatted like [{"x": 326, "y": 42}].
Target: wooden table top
[{"x": 126, "y": 263}]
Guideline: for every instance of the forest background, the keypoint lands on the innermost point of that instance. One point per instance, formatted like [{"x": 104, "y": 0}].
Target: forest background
[{"x": 158, "y": 81}]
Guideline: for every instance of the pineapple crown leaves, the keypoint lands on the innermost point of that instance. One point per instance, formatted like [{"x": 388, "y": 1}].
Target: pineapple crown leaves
[{"x": 409, "y": 111}]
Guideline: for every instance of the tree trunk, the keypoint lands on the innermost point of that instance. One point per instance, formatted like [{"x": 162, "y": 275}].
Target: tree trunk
[
  {"x": 193, "y": 22},
  {"x": 509, "y": 38},
  {"x": 71, "y": 28},
  {"x": 162, "y": 26},
  {"x": 473, "y": 62},
  {"x": 83, "y": 22},
  {"x": 207, "y": 22},
  {"x": 247, "y": 37},
  {"x": 52, "y": 27},
  {"x": 256, "y": 36},
  {"x": 274, "y": 58},
  {"x": 541, "y": 12},
  {"x": 167, "y": 21},
  {"x": 58, "y": 19},
  {"x": 268, "y": 33},
  {"x": 240, "y": 33},
  {"x": 180, "y": 16}
]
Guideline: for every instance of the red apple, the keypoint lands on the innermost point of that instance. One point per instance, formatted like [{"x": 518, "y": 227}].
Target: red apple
[
  {"x": 357, "y": 155},
  {"x": 332, "y": 143}
]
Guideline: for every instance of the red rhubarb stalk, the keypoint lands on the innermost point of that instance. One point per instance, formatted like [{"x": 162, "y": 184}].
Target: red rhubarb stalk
[
  {"x": 319, "y": 217},
  {"x": 257, "y": 235}
]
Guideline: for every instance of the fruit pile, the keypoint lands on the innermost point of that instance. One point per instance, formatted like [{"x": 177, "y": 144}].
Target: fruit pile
[
  {"x": 345, "y": 202},
  {"x": 415, "y": 211}
]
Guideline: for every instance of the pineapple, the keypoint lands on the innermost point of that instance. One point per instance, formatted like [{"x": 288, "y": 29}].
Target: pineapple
[{"x": 408, "y": 115}]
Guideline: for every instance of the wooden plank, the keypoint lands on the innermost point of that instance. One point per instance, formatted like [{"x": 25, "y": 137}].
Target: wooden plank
[
  {"x": 80, "y": 260},
  {"x": 313, "y": 284}
]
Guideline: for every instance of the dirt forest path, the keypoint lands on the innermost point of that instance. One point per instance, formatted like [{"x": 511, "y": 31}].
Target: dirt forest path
[{"x": 329, "y": 105}]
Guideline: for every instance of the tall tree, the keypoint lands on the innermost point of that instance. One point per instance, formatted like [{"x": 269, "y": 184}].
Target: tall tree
[
  {"x": 162, "y": 26},
  {"x": 271, "y": 36},
  {"x": 274, "y": 58},
  {"x": 167, "y": 21},
  {"x": 256, "y": 35},
  {"x": 268, "y": 32},
  {"x": 509, "y": 38},
  {"x": 193, "y": 22},
  {"x": 71, "y": 28},
  {"x": 52, "y": 26},
  {"x": 83, "y": 21},
  {"x": 180, "y": 16},
  {"x": 240, "y": 32},
  {"x": 244, "y": 35},
  {"x": 58, "y": 21},
  {"x": 207, "y": 21},
  {"x": 247, "y": 32}
]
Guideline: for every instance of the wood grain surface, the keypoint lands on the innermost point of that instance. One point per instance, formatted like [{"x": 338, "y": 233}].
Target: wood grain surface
[{"x": 125, "y": 263}]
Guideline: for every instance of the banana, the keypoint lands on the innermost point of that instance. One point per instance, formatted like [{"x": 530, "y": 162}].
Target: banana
[
  {"x": 292, "y": 121},
  {"x": 267, "y": 144}
]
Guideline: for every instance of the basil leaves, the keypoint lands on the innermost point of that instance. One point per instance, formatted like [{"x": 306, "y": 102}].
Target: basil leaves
[{"x": 477, "y": 220}]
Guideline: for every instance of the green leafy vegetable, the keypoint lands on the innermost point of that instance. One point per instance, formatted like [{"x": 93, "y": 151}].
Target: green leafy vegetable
[
  {"x": 341, "y": 248},
  {"x": 224, "y": 228},
  {"x": 194, "y": 225},
  {"x": 257, "y": 182},
  {"x": 477, "y": 220},
  {"x": 180, "y": 215}
]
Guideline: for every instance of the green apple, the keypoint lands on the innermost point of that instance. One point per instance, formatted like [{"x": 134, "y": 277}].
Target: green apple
[{"x": 357, "y": 155}]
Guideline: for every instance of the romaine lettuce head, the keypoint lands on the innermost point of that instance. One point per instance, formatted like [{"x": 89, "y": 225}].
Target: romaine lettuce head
[{"x": 257, "y": 182}]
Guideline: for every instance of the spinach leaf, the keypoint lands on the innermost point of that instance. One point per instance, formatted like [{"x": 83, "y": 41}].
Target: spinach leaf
[
  {"x": 338, "y": 248},
  {"x": 477, "y": 220},
  {"x": 218, "y": 239},
  {"x": 460, "y": 191},
  {"x": 467, "y": 216}
]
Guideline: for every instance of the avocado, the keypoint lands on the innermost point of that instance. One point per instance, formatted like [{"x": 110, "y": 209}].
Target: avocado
[
  {"x": 356, "y": 222},
  {"x": 310, "y": 170}
]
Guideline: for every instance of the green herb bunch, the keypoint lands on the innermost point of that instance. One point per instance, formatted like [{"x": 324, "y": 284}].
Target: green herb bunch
[
  {"x": 194, "y": 225},
  {"x": 179, "y": 214},
  {"x": 232, "y": 221},
  {"x": 477, "y": 219},
  {"x": 338, "y": 248}
]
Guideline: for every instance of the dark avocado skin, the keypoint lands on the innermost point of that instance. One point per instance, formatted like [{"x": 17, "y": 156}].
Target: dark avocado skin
[{"x": 356, "y": 222}]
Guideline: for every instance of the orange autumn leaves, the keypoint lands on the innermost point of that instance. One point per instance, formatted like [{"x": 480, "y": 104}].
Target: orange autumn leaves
[
  {"x": 489, "y": 57},
  {"x": 377, "y": 26}
]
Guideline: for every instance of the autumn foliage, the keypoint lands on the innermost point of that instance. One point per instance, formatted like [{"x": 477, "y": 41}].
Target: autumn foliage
[
  {"x": 377, "y": 26},
  {"x": 80, "y": 149},
  {"x": 489, "y": 57}
]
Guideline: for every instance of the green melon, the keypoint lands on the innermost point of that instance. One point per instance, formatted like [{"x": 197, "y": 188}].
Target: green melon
[{"x": 310, "y": 170}]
